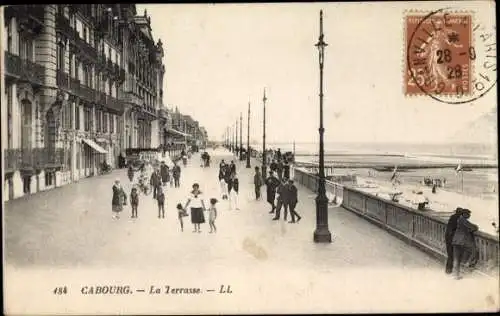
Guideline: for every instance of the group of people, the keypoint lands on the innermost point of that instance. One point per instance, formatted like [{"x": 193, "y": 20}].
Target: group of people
[
  {"x": 229, "y": 183},
  {"x": 153, "y": 177},
  {"x": 281, "y": 193},
  {"x": 460, "y": 243},
  {"x": 156, "y": 177}
]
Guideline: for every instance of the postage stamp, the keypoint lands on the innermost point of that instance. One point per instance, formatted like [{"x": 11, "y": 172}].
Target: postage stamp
[{"x": 442, "y": 57}]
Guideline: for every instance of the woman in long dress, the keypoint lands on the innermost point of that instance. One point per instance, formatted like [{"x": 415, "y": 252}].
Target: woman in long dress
[
  {"x": 195, "y": 200},
  {"x": 119, "y": 199}
]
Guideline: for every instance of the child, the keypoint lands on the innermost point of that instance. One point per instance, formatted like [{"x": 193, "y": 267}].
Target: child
[
  {"x": 212, "y": 215},
  {"x": 160, "y": 197},
  {"x": 134, "y": 201},
  {"x": 181, "y": 213}
]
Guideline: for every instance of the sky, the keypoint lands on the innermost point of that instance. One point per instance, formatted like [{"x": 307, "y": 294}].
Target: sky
[{"x": 220, "y": 57}]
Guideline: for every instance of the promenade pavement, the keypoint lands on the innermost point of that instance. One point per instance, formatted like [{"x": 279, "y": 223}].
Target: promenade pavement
[{"x": 67, "y": 236}]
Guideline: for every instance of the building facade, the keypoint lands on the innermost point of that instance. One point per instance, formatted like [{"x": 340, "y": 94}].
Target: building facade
[{"x": 82, "y": 83}]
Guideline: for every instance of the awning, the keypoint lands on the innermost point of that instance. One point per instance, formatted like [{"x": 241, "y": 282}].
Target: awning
[
  {"x": 171, "y": 130},
  {"x": 95, "y": 146}
]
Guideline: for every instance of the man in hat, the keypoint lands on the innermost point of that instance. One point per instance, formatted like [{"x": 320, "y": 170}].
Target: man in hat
[
  {"x": 451, "y": 227},
  {"x": 463, "y": 241},
  {"x": 272, "y": 184}
]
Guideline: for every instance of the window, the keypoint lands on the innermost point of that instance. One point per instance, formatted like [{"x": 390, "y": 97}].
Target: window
[
  {"x": 98, "y": 120},
  {"x": 8, "y": 96},
  {"x": 71, "y": 65},
  {"x": 25, "y": 48},
  {"x": 105, "y": 123},
  {"x": 86, "y": 117},
  {"x": 60, "y": 56},
  {"x": 9, "y": 36},
  {"x": 86, "y": 76},
  {"x": 111, "y": 123},
  {"x": 85, "y": 34},
  {"x": 77, "y": 116},
  {"x": 27, "y": 124}
]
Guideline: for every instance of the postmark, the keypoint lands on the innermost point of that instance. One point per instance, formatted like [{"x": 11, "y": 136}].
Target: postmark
[{"x": 449, "y": 57}]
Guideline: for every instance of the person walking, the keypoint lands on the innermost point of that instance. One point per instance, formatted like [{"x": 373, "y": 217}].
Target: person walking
[
  {"x": 293, "y": 200},
  {"x": 451, "y": 227},
  {"x": 160, "y": 197},
  {"x": 272, "y": 184},
  {"x": 279, "y": 170},
  {"x": 197, "y": 207},
  {"x": 222, "y": 181},
  {"x": 273, "y": 166},
  {"x": 257, "y": 182},
  {"x": 286, "y": 169},
  {"x": 282, "y": 192},
  {"x": 155, "y": 182},
  {"x": 130, "y": 173},
  {"x": 232, "y": 168},
  {"x": 118, "y": 200},
  {"x": 463, "y": 241},
  {"x": 212, "y": 215},
  {"x": 164, "y": 172},
  {"x": 233, "y": 189},
  {"x": 176, "y": 173},
  {"x": 181, "y": 213},
  {"x": 134, "y": 201},
  {"x": 227, "y": 180}
]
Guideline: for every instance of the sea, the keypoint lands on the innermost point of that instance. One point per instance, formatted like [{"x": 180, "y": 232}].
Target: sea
[{"x": 483, "y": 151}]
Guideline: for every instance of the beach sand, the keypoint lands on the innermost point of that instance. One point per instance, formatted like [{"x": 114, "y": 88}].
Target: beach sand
[{"x": 479, "y": 193}]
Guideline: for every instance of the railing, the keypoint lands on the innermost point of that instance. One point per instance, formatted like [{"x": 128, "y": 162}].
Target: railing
[
  {"x": 132, "y": 98},
  {"x": 334, "y": 190},
  {"x": 11, "y": 159},
  {"x": 427, "y": 231},
  {"x": 24, "y": 69},
  {"x": 12, "y": 64},
  {"x": 100, "y": 97},
  {"x": 87, "y": 93},
  {"x": 86, "y": 48},
  {"x": 62, "y": 79},
  {"x": 114, "y": 104},
  {"x": 33, "y": 158},
  {"x": 75, "y": 86}
]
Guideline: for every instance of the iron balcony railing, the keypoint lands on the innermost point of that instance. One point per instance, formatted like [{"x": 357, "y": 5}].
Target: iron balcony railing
[
  {"x": 114, "y": 104},
  {"x": 75, "y": 86},
  {"x": 24, "y": 69},
  {"x": 87, "y": 93},
  {"x": 62, "y": 79},
  {"x": 32, "y": 158}
]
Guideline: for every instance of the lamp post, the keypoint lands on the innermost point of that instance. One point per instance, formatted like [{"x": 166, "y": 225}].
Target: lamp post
[
  {"x": 321, "y": 234},
  {"x": 241, "y": 136},
  {"x": 248, "y": 137},
  {"x": 264, "y": 161}
]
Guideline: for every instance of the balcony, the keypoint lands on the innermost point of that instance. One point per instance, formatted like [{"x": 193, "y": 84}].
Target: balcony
[
  {"x": 88, "y": 94},
  {"x": 114, "y": 104},
  {"x": 100, "y": 97},
  {"x": 63, "y": 25},
  {"x": 133, "y": 99},
  {"x": 30, "y": 16},
  {"x": 32, "y": 158},
  {"x": 86, "y": 48},
  {"x": 11, "y": 158},
  {"x": 24, "y": 69},
  {"x": 75, "y": 86},
  {"x": 62, "y": 80}
]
